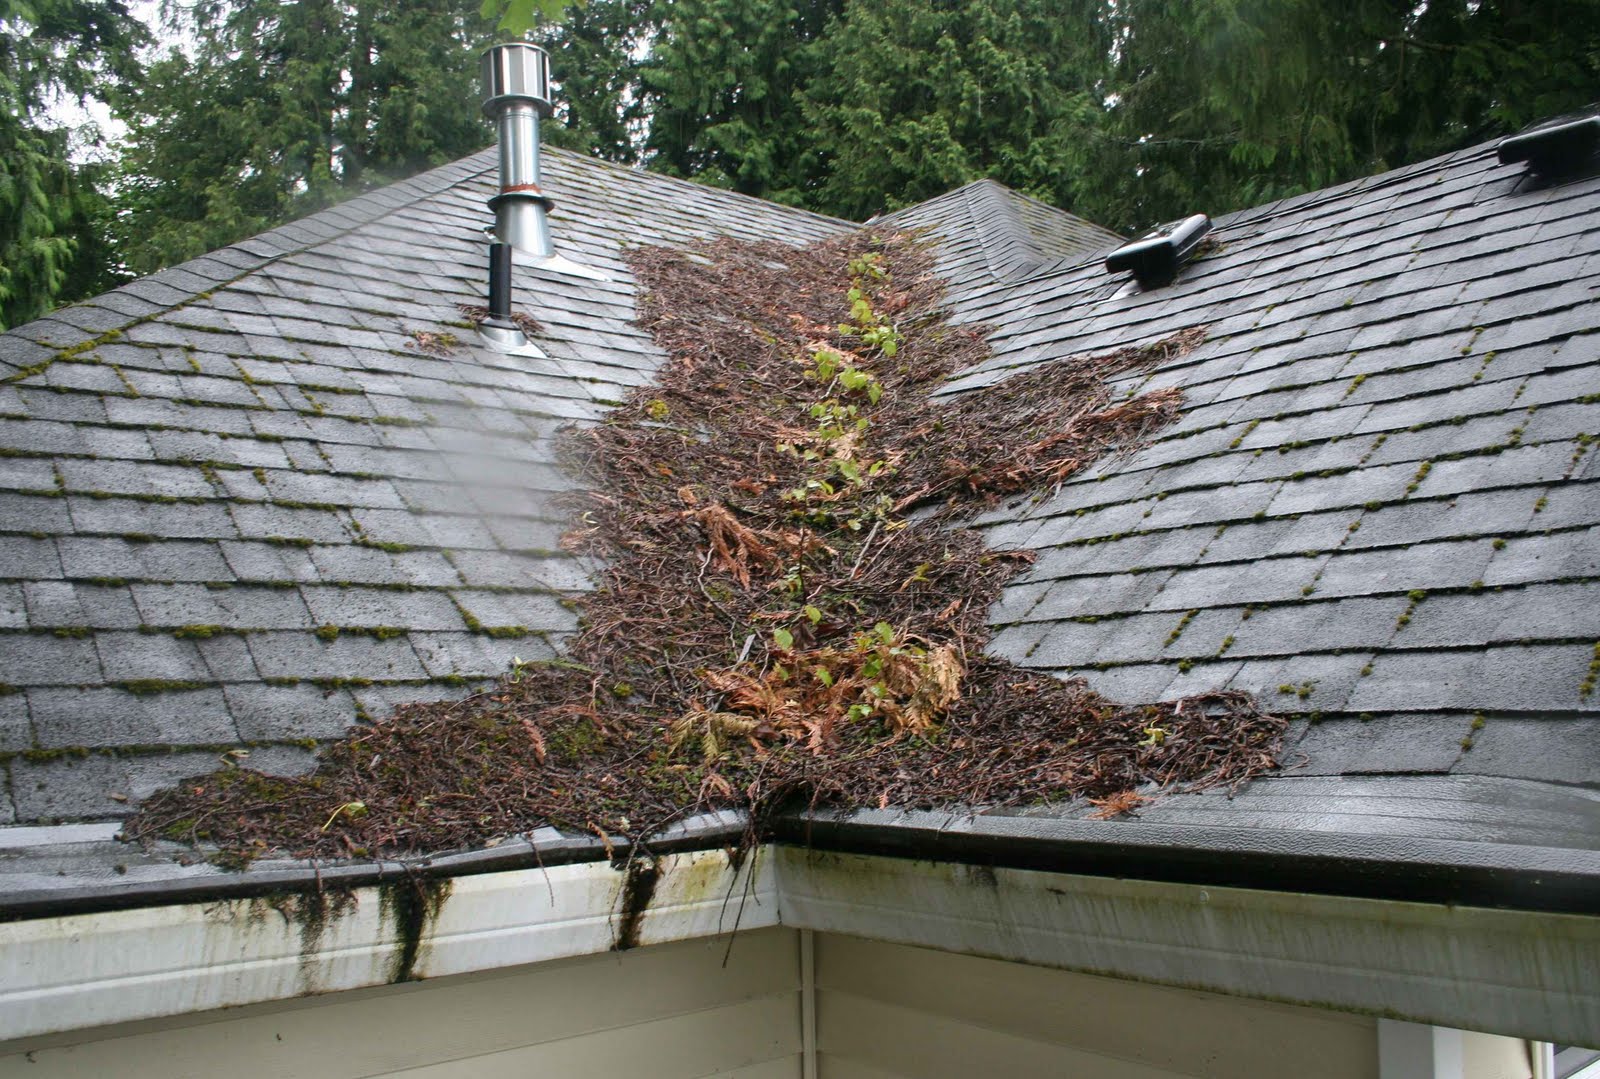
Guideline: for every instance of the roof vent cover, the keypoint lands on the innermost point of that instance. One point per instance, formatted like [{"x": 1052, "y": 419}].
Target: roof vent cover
[
  {"x": 1154, "y": 258},
  {"x": 1555, "y": 147}
]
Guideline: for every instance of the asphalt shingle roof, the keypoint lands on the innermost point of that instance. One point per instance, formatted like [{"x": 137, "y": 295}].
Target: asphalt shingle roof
[
  {"x": 989, "y": 233},
  {"x": 1380, "y": 506},
  {"x": 241, "y": 507}
]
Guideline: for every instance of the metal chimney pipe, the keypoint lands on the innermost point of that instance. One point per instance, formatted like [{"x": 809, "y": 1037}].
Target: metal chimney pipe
[
  {"x": 516, "y": 95},
  {"x": 500, "y": 283}
]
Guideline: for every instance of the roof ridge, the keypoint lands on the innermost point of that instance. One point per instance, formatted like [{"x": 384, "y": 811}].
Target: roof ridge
[
  {"x": 1023, "y": 196},
  {"x": 1015, "y": 230},
  {"x": 636, "y": 171},
  {"x": 1011, "y": 247},
  {"x": 953, "y": 195}
]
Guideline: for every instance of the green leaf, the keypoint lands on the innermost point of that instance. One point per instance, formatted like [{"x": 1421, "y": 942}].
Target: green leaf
[
  {"x": 783, "y": 639},
  {"x": 823, "y": 675},
  {"x": 885, "y": 632},
  {"x": 812, "y": 613},
  {"x": 520, "y": 16}
]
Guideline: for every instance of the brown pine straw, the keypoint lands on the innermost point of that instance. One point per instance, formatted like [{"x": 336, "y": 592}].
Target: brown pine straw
[{"x": 770, "y": 632}]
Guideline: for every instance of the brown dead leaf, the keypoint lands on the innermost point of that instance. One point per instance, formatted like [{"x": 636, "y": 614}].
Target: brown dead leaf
[
  {"x": 1116, "y": 805},
  {"x": 535, "y": 736}
]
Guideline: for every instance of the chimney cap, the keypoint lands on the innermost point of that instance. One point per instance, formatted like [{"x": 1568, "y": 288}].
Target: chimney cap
[{"x": 516, "y": 71}]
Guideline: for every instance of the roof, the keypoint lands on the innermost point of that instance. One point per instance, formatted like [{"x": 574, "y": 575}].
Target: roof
[
  {"x": 1379, "y": 506},
  {"x": 989, "y": 233},
  {"x": 243, "y": 507}
]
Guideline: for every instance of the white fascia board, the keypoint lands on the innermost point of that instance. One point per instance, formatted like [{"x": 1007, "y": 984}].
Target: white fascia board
[
  {"x": 1526, "y": 975},
  {"x": 76, "y": 971}
]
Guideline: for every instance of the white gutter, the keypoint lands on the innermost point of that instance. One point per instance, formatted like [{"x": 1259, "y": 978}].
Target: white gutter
[
  {"x": 1527, "y": 975},
  {"x": 76, "y": 971}
]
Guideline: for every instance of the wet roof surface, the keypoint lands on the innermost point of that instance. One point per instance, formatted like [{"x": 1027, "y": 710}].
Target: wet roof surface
[
  {"x": 1381, "y": 506},
  {"x": 242, "y": 508}
]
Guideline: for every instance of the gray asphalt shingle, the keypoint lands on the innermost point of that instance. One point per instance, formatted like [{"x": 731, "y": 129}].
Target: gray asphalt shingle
[{"x": 1379, "y": 493}]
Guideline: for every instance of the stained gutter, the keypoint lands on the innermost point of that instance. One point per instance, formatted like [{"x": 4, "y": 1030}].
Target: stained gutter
[
  {"x": 1128, "y": 900},
  {"x": 1518, "y": 973},
  {"x": 71, "y": 972},
  {"x": 80, "y": 884},
  {"x": 1360, "y": 865},
  {"x": 66, "y": 870}
]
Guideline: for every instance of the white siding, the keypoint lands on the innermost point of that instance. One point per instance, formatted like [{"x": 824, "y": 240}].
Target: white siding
[
  {"x": 889, "y": 1010},
  {"x": 1490, "y": 1056},
  {"x": 670, "y": 1011},
  {"x": 674, "y": 1011}
]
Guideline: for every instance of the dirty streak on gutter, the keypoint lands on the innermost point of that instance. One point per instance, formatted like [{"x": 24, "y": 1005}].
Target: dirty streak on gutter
[
  {"x": 1519, "y": 973},
  {"x": 1409, "y": 868},
  {"x": 543, "y": 849},
  {"x": 70, "y": 972}
]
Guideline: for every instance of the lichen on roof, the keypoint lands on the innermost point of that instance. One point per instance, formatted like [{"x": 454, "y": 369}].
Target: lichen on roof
[{"x": 790, "y": 609}]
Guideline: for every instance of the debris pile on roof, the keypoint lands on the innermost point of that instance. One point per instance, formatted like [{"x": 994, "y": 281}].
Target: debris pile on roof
[{"x": 790, "y": 610}]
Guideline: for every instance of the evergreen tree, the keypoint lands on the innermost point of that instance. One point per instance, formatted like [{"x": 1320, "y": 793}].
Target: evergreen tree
[
  {"x": 595, "y": 60},
  {"x": 1219, "y": 104},
  {"x": 723, "y": 84},
  {"x": 914, "y": 97},
  {"x": 1128, "y": 112},
  {"x": 286, "y": 107},
  {"x": 51, "y": 211}
]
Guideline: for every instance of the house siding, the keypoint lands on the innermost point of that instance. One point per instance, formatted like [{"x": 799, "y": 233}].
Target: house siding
[
  {"x": 889, "y": 1010},
  {"x": 670, "y": 1011},
  {"x": 699, "y": 1009}
]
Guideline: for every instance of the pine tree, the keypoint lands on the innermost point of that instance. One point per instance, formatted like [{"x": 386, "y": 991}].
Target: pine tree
[
  {"x": 723, "y": 83},
  {"x": 596, "y": 53},
  {"x": 51, "y": 210},
  {"x": 1219, "y": 104},
  {"x": 1128, "y": 112},
  {"x": 288, "y": 106},
  {"x": 914, "y": 97}
]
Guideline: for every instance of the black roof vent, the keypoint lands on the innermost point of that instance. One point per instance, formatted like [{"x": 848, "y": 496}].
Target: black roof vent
[
  {"x": 1155, "y": 257},
  {"x": 1555, "y": 147}
]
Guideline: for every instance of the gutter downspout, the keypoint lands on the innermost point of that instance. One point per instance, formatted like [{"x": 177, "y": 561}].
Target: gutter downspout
[{"x": 808, "y": 1004}]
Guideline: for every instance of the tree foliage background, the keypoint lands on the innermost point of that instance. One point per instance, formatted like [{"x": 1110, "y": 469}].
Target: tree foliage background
[
  {"x": 52, "y": 212},
  {"x": 1127, "y": 112}
]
